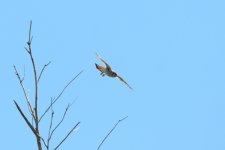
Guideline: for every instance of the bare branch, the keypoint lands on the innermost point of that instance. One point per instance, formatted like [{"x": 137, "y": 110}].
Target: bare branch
[
  {"x": 25, "y": 118},
  {"x": 29, "y": 37},
  {"x": 44, "y": 142},
  {"x": 110, "y": 132},
  {"x": 25, "y": 93},
  {"x": 36, "y": 85},
  {"x": 29, "y": 50},
  {"x": 68, "y": 134},
  {"x": 50, "y": 134},
  {"x": 50, "y": 127},
  {"x": 43, "y": 70},
  {"x": 59, "y": 95},
  {"x": 60, "y": 121}
]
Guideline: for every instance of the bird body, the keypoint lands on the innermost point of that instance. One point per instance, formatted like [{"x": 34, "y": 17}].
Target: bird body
[
  {"x": 108, "y": 71},
  {"x": 105, "y": 71}
]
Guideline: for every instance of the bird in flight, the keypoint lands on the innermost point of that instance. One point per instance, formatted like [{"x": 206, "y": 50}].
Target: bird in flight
[{"x": 109, "y": 72}]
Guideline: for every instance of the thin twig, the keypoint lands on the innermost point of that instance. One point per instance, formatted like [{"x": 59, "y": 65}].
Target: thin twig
[
  {"x": 25, "y": 93},
  {"x": 110, "y": 132},
  {"x": 50, "y": 127},
  {"x": 63, "y": 117},
  {"x": 59, "y": 95},
  {"x": 43, "y": 70},
  {"x": 25, "y": 118},
  {"x": 29, "y": 37},
  {"x": 27, "y": 50},
  {"x": 44, "y": 142},
  {"x": 24, "y": 73},
  {"x": 68, "y": 134},
  {"x": 60, "y": 121}
]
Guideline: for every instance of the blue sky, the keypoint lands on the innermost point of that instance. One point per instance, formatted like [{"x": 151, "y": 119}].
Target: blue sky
[{"x": 171, "y": 52}]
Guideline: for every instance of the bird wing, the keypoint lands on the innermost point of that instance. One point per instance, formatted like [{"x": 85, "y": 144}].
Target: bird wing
[
  {"x": 122, "y": 80},
  {"x": 107, "y": 65},
  {"x": 100, "y": 68}
]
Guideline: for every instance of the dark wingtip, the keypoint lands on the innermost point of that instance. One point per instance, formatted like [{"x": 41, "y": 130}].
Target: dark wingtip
[{"x": 96, "y": 65}]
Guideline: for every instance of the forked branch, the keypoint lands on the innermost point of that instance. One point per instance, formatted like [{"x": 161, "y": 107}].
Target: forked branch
[
  {"x": 57, "y": 98},
  {"x": 50, "y": 131},
  {"x": 42, "y": 70},
  {"x": 25, "y": 93}
]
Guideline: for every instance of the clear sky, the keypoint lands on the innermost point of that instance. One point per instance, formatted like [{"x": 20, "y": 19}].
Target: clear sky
[{"x": 172, "y": 52}]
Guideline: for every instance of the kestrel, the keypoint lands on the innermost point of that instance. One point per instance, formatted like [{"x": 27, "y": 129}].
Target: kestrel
[{"x": 109, "y": 72}]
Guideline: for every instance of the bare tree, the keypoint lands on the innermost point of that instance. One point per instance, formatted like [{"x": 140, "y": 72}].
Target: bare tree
[{"x": 34, "y": 111}]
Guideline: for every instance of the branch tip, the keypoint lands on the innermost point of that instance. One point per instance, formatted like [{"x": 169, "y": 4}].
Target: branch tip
[{"x": 111, "y": 132}]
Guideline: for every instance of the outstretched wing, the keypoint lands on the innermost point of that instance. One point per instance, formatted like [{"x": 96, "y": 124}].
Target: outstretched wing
[
  {"x": 107, "y": 65},
  {"x": 121, "y": 79}
]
